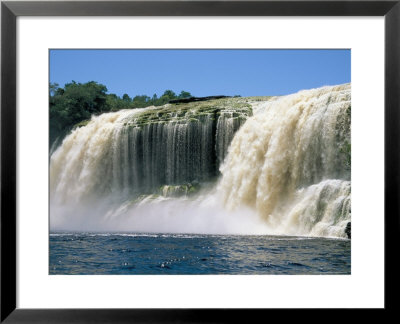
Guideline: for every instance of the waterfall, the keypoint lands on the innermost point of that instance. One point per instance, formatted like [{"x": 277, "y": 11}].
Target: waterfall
[
  {"x": 258, "y": 165},
  {"x": 228, "y": 123},
  {"x": 133, "y": 152},
  {"x": 290, "y": 162}
]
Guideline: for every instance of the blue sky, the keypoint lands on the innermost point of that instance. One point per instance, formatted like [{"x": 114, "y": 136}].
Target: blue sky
[{"x": 202, "y": 72}]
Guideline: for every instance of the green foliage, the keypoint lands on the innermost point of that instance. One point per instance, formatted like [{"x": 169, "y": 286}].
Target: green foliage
[
  {"x": 184, "y": 94},
  {"x": 193, "y": 112},
  {"x": 126, "y": 97},
  {"x": 77, "y": 102},
  {"x": 53, "y": 88},
  {"x": 115, "y": 103},
  {"x": 141, "y": 101},
  {"x": 74, "y": 103}
]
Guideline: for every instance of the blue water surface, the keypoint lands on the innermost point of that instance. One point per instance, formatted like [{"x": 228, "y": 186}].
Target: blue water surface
[{"x": 130, "y": 254}]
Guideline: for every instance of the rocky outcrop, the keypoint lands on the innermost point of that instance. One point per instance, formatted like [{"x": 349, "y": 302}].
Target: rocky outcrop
[
  {"x": 193, "y": 99},
  {"x": 348, "y": 230},
  {"x": 180, "y": 190}
]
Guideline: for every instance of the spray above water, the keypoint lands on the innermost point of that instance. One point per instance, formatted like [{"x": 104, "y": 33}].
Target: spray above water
[{"x": 210, "y": 169}]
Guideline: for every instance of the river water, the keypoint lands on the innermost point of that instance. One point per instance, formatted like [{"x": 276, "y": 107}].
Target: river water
[{"x": 190, "y": 254}]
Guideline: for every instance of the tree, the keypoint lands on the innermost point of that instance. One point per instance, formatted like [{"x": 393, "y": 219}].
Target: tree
[
  {"x": 154, "y": 99},
  {"x": 184, "y": 94},
  {"x": 115, "y": 103},
  {"x": 73, "y": 104},
  {"x": 141, "y": 101},
  {"x": 126, "y": 98},
  {"x": 53, "y": 87},
  {"x": 166, "y": 97},
  {"x": 170, "y": 94},
  {"x": 76, "y": 102}
]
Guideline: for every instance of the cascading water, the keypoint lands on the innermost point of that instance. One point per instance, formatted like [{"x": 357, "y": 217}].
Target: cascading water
[
  {"x": 107, "y": 165},
  {"x": 137, "y": 151},
  {"x": 290, "y": 162},
  {"x": 285, "y": 171}
]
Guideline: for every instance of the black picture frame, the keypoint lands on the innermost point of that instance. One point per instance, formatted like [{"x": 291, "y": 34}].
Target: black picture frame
[{"x": 10, "y": 10}]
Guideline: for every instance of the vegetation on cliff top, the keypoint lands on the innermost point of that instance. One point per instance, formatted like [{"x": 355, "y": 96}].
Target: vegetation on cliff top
[
  {"x": 193, "y": 111},
  {"x": 77, "y": 102},
  {"x": 74, "y": 104}
]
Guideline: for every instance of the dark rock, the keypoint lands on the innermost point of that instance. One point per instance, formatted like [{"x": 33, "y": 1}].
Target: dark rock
[
  {"x": 192, "y": 99},
  {"x": 348, "y": 230}
]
